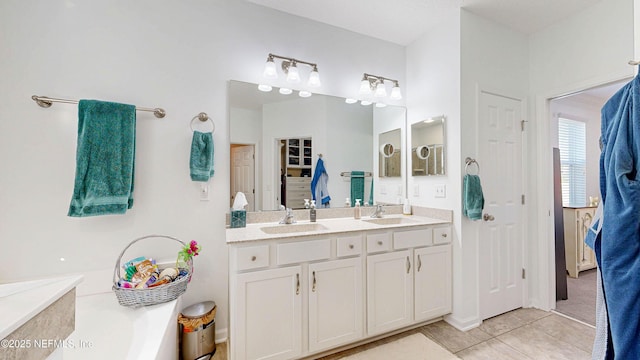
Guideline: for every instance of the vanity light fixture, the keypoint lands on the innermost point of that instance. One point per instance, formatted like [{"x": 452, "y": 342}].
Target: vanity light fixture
[
  {"x": 265, "y": 88},
  {"x": 304, "y": 93},
  {"x": 365, "y": 102},
  {"x": 375, "y": 84},
  {"x": 350, "y": 101},
  {"x": 285, "y": 91},
  {"x": 290, "y": 67},
  {"x": 381, "y": 105}
]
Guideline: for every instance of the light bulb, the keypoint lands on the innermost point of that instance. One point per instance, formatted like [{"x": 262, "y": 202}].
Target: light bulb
[
  {"x": 396, "y": 94},
  {"x": 270, "y": 69},
  {"x": 304, "y": 93},
  {"x": 285, "y": 91},
  {"x": 365, "y": 102},
  {"x": 381, "y": 91},
  {"x": 293, "y": 76},
  {"x": 381, "y": 105},
  {"x": 264, "y": 87},
  {"x": 350, "y": 101},
  {"x": 314, "y": 78},
  {"x": 365, "y": 88}
]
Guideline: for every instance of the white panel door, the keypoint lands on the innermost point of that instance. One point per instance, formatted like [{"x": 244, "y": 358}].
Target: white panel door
[
  {"x": 389, "y": 291},
  {"x": 432, "y": 272},
  {"x": 336, "y": 310},
  {"x": 268, "y": 313},
  {"x": 501, "y": 238},
  {"x": 242, "y": 174}
]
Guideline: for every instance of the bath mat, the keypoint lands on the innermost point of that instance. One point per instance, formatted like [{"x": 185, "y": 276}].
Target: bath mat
[{"x": 412, "y": 347}]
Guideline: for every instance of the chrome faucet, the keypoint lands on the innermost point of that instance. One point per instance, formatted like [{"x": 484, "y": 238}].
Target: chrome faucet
[
  {"x": 288, "y": 217},
  {"x": 378, "y": 212}
]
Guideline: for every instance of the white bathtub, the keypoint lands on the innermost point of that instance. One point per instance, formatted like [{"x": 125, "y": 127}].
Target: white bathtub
[{"x": 107, "y": 330}]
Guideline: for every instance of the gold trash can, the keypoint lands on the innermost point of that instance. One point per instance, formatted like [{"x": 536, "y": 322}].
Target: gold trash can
[{"x": 197, "y": 331}]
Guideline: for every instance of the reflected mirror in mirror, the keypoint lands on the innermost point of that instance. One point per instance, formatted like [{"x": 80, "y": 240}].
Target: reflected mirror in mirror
[
  {"x": 276, "y": 141},
  {"x": 390, "y": 159},
  {"x": 428, "y": 147}
]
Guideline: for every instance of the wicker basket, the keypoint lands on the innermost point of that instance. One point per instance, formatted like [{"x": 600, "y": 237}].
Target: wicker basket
[{"x": 151, "y": 296}]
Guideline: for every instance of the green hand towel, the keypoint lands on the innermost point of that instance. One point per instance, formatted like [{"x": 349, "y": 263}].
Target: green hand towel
[
  {"x": 473, "y": 201},
  {"x": 357, "y": 187},
  {"x": 105, "y": 158},
  {"x": 201, "y": 160}
]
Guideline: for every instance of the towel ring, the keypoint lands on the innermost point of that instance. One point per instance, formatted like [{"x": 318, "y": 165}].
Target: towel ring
[
  {"x": 203, "y": 117},
  {"x": 468, "y": 162}
]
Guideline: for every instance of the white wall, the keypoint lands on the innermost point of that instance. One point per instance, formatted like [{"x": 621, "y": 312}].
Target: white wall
[
  {"x": 587, "y": 110},
  {"x": 175, "y": 55},
  {"x": 590, "y": 48},
  {"x": 349, "y": 143}
]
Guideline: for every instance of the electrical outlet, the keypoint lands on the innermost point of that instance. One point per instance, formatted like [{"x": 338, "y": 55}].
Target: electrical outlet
[
  {"x": 383, "y": 190},
  {"x": 399, "y": 190},
  {"x": 416, "y": 190},
  {"x": 440, "y": 191},
  {"x": 204, "y": 192}
]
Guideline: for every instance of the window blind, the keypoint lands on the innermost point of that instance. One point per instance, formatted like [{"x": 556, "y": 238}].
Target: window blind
[{"x": 573, "y": 159}]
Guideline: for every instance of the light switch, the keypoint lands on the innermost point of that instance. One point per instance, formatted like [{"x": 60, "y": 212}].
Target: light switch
[
  {"x": 440, "y": 191},
  {"x": 416, "y": 190},
  {"x": 204, "y": 191}
]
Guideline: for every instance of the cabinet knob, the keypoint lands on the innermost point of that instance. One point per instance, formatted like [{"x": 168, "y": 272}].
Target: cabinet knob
[
  {"x": 444, "y": 235},
  {"x": 350, "y": 246},
  {"x": 253, "y": 258},
  {"x": 380, "y": 242}
]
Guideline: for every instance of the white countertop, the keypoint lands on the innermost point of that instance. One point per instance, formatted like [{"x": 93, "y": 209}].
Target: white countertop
[
  {"x": 21, "y": 301},
  {"x": 253, "y": 232}
]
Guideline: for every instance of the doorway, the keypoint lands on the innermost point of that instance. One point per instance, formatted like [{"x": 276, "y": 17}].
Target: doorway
[
  {"x": 501, "y": 233},
  {"x": 243, "y": 173},
  {"x": 575, "y": 130}
]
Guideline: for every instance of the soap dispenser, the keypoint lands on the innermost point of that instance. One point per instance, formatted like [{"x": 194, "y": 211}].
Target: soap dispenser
[
  {"x": 312, "y": 212},
  {"x": 356, "y": 210}
]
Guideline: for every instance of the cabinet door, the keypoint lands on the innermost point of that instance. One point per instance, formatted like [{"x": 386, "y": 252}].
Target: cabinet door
[
  {"x": 336, "y": 310},
  {"x": 389, "y": 291},
  {"x": 267, "y": 314},
  {"x": 432, "y": 282}
]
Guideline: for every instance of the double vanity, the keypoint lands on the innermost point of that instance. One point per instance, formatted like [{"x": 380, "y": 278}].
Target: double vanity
[{"x": 304, "y": 289}]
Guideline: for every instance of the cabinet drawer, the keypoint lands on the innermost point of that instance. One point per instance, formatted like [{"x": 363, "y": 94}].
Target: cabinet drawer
[
  {"x": 442, "y": 235},
  {"x": 412, "y": 238},
  {"x": 297, "y": 252},
  {"x": 298, "y": 180},
  {"x": 298, "y": 187},
  {"x": 252, "y": 257},
  {"x": 349, "y": 245},
  {"x": 378, "y": 242}
]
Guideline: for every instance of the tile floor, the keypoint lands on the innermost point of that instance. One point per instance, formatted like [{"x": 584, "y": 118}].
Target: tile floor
[{"x": 519, "y": 334}]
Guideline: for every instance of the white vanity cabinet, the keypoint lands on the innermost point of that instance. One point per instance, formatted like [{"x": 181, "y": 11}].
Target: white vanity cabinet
[
  {"x": 411, "y": 284},
  {"x": 335, "y": 303},
  {"x": 389, "y": 291},
  {"x": 293, "y": 298},
  {"x": 267, "y": 314}
]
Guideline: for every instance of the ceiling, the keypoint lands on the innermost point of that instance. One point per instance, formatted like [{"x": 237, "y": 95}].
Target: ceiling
[{"x": 403, "y": 21}]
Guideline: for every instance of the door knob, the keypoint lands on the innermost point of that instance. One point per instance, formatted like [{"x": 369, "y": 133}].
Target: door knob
[{"x": 488, "y": 217}]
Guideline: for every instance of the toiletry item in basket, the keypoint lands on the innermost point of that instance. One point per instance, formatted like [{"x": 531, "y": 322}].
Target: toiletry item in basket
[
  {"x": 144, "y": 270},
  {"x": 160, "y": 282},
  {"x": 125, "y": 284},
  {"x": 169, "y": 273}
]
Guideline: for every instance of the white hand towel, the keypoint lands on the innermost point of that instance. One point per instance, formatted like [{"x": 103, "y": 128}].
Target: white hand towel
[{"x": 240, "y": 201}]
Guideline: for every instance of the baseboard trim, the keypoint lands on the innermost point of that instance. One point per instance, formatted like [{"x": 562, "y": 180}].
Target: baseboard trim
[{"x": 463, "y": 324}]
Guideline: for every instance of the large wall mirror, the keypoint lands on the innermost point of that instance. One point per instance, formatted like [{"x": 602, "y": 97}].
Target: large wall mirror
[
  {"x": 390, "y": 154},
  {"x": 428, "y": 147},
  {"x": 276, "y": 141}
]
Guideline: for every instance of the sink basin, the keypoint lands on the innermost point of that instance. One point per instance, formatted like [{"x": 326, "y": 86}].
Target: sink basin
[
  {"x": 292, "y": 228},
  {"x": 390, "y": 221}
]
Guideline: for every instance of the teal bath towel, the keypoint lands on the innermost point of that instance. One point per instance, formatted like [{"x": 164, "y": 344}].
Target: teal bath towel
[
  {"x": 357, "y": 187},
  {"x": 473, "y": 199},
  {"x": 104, "y": 159},
  {"x": 201, "y": 160}
]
